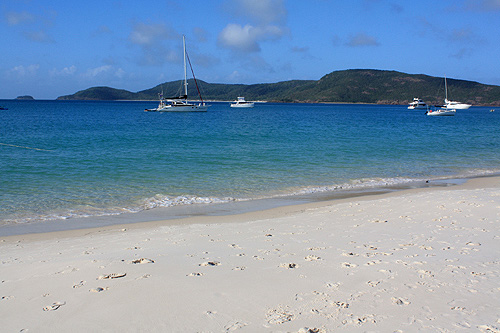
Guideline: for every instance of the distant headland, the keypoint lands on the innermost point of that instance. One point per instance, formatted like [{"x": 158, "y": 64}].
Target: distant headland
[
  {"x": 346, "y": 86},
  {"x": 25, "y": 98}
]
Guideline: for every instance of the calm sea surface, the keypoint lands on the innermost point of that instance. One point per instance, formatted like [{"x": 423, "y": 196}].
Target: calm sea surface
[{"x": 68, "y": 159}]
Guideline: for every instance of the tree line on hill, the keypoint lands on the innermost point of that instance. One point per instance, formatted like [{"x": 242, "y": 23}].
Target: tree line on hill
[{"x": 346, "y": 86}]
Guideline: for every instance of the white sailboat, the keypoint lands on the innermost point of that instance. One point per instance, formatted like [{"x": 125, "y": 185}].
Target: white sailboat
[
  {"x": 443, "y": 111},
  {"x": 181, "y": 104},
  {"x": 452, "y": 104}
]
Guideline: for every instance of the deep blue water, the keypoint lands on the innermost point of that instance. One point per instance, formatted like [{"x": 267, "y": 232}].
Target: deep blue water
[{"x": 61, "y": 159}]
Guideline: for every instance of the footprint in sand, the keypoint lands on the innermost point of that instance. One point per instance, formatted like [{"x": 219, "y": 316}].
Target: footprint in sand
[
  {"x": 373, "y": 283},
  {"x": 143, "y": 261},
  {"x": 54, "y": 306},
  {"x": 79, "y": 284},
  {"x": 312, "y": 330},
  {"x": 312, "y": 258},
  {"x": 279, "y": 315},
  {"x": 400, "y": 301},
  {"x": 111, "y": 276},
  {"x": 210, "y": 263},
  {"x": 242, "y": 268},
  {"x": 234, "y": 326},
  {"x": 341, "y": 305},
  {"x": 348, "y": 265}
]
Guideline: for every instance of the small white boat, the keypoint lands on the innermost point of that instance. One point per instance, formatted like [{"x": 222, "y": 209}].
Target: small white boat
[
  {"x": 160, "y": 106},
  {"x": 181, "y": 104},
  {"x": 451, "y": 104},
  {"x": 417, "y": 104},
  {"x": 241, "y": 103},
  {"x": 442, "y": 111}
]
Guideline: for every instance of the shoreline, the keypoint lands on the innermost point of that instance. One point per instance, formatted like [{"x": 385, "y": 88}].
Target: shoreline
[
  {"x": 420, "y": 259},
  {"x": 270, "y": 210},
  {"x": 233, "y": 208},
  {"x": 396, "y": 103}
]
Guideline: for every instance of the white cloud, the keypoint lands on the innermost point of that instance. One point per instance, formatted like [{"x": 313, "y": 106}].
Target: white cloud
[
  {"x": 267, "y": 16},
  {"x": 16, "y": 18},
  {"x": 247, "y": 38},
  {"x": 105, "y": 72},
  {"x": 239, "y": 38},
  {"x": 66, "y": 71},
  {"x": 22, "y": 71},
  {"x": 93, "y": 72},
  {"x": 235, "y": 76},
  {"x": 120, "y": 73}
]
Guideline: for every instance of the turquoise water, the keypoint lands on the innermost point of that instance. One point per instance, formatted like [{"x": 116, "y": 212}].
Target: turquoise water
[{"x": 66, "y": 159}]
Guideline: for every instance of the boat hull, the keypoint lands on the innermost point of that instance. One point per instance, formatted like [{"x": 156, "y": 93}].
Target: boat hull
[
  {"x": 184, "y": 108},
  {"x": 442, "y": 113},
  {"x": 242, "y": 105},
  {"x": 459, "y": 106}
]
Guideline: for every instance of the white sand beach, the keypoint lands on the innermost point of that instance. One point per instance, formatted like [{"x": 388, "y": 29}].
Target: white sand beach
[{"x": 415, "y": 260}]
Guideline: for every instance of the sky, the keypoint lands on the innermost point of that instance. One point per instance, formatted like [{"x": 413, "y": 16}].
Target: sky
[{"x": 58, "y": 47}]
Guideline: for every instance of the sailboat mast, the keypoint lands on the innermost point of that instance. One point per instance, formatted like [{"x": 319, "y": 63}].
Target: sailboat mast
[
  {"x": 185, "y": 70},
  {"x": 445, "y": 89}
]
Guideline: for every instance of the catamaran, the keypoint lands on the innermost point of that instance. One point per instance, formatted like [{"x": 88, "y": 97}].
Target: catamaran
[{"x": 180, "y": 103}]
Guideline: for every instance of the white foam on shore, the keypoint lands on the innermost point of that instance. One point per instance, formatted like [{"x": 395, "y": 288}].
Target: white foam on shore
[{"x": 354, "y": 187}]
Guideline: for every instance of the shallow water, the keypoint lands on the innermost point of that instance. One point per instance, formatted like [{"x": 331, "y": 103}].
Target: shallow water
[{"x": 65, "y": 159}]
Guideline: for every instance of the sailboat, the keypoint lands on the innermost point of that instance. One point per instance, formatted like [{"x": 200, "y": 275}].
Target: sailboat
[
  {"x": 451, "y": 104},
  {"x": 442, "y": 111},
  {"x": 180, "y": 103}
]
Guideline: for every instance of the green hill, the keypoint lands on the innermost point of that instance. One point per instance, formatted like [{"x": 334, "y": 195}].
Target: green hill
[{"x": 347, "y": 86}]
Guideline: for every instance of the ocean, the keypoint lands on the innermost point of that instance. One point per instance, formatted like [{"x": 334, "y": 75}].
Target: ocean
[{"x": 110, "y": 162}]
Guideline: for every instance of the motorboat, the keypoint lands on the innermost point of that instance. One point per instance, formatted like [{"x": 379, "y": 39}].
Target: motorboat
[
  {"x": 417, "y": 104},
  {"x": 241, "y": 103}
]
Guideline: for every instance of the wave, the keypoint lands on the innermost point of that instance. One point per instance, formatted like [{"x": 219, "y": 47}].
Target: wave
[{"x": 166, "y": 201}]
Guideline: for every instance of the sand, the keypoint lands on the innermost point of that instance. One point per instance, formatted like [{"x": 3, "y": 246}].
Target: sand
[{"x": 415, "y": 260}]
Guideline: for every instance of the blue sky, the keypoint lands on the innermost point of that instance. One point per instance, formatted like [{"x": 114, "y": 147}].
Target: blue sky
[{"x": 58, "y": 47}]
